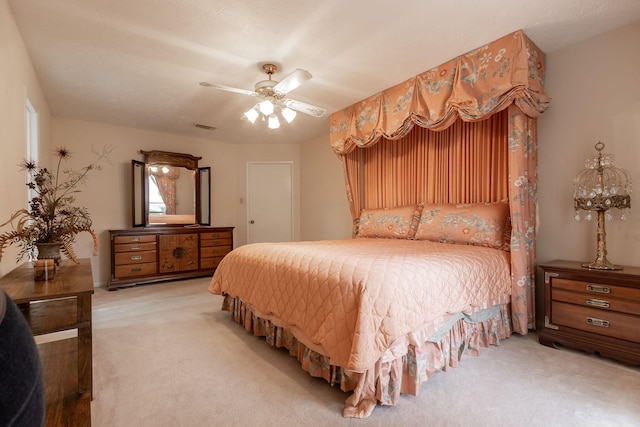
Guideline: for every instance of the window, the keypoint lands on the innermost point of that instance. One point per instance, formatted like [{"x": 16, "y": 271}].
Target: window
[{"x": 156, "y": 204}]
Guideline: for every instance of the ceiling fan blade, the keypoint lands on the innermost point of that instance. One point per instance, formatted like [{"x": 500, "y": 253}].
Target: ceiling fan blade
[
  {"x": 305, "y": 108},
  {"x": 292, "y": 81},
  {"x": 228, "y": 89}
]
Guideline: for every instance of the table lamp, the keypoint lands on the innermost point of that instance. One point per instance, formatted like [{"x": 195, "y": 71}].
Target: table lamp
[{"x": 600, "y": 187}]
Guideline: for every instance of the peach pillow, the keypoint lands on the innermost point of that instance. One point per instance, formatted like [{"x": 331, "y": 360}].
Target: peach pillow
[
  {"x": 481, "y": 224},
  {"x": 391, "y": 223}
]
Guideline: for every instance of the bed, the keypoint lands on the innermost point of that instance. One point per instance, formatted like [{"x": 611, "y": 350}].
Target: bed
[
  {"x": 378, "y": 314},
  {"x": 441, "y": 175}
]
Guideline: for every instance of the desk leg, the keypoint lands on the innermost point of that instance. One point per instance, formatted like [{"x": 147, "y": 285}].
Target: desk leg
[{"x": 85, "y": 347}]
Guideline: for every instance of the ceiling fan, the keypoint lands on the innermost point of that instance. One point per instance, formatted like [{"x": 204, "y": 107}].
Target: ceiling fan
[{"x": 274, "y": 93}]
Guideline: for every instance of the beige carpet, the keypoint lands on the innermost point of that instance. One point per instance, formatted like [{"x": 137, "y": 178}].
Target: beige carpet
[{"x": 165, "y": 355}]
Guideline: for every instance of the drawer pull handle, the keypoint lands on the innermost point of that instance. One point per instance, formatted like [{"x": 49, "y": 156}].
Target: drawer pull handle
[
  {"x": 135, "y": 239},
  {"x": 598, "y": 303},
  {"x": 136, "y": 270},
  {"x": 136, "y": 258},
  {"x": 136, "y": 248},
  {"x": 600, "y": 289},
  {"x": 598, "y": 322}
]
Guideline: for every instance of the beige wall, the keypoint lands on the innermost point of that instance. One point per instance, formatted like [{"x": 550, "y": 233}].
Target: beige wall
[
  {"x": 324, "y": 207},
  {"x": 108, "y": 191},
  {"x": 595, "y": 97},
  {"x": 320, "y": 203},
  {"x": 107, "y": 194},
  {"x": 17, "y": 82}
]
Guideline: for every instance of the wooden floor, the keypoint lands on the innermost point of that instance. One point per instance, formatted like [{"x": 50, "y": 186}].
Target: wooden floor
[{"x": 65, "y": 407}]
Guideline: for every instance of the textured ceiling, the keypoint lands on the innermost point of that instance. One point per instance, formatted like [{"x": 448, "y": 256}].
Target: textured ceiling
[{"x": 137, "y": 63}]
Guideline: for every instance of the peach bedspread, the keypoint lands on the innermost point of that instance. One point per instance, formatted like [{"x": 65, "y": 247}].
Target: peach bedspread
[{"x": 352, "y": 300}]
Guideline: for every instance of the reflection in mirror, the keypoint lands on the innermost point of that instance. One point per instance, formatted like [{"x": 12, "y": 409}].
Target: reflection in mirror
[{"x": 172, "y": 192}]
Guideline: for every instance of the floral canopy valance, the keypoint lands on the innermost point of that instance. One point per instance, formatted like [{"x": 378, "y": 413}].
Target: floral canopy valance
[
  {"x": 472, "y": 86},
  {"x": 505, "y": 74}
]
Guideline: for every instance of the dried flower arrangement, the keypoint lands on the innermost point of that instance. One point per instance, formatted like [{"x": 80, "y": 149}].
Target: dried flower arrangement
[{"x": 52, "y": 216}]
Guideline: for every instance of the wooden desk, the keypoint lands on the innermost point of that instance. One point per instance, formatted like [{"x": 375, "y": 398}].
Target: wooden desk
[{"x": 61, "y": 304}]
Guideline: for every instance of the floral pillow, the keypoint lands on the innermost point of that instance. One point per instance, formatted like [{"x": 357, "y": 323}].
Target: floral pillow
[
  {"x": 391, "y": 223},
  {"x": 481, "y": 224}
]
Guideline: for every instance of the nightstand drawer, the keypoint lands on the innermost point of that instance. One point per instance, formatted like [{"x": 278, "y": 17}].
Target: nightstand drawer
[
  {"x": 603, "y": 302},
  {"x": 612, "y": 324},
  {"x": 597, "y": 311},
  {"x": 595, "y": 288}
]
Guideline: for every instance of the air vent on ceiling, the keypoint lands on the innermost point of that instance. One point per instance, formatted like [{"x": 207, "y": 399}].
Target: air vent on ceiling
[{"x": 205, "y": 127}]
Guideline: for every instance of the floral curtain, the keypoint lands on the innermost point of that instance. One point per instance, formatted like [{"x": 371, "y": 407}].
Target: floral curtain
[{"x": 505, "y": 74}]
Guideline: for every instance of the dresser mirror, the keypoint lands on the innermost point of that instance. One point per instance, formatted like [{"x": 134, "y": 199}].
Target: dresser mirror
[{"x": 169, "y": 189}]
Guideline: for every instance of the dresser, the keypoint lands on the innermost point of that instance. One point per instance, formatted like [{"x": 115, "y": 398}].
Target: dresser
[
  {"x": 597, "y": 311},
  {"x": 154, "y": 254}
]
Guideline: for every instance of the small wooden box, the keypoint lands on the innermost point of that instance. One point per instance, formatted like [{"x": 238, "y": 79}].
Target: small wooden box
[{"x": 44, "y": 269}]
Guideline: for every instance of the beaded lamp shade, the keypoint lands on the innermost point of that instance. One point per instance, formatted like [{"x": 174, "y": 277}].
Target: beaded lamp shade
[{"x": 600, "y": 187}]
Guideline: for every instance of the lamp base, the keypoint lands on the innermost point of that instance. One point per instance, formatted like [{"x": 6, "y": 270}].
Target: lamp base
[{"x": 601, "y": 265}]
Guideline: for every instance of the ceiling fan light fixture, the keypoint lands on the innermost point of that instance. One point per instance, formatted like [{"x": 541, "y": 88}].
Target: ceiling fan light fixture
[
  {"x": 251, "y": 115},
  {"x": 266, "y": 107},
  {"x": 274, "y": 106},
  {"x": 288, "y": 114},
  {"x": 274, "y": 123}
]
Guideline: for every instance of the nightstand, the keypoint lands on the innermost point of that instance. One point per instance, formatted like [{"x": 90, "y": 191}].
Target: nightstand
[
  {"x": 597, "y": 311},
  {"x": 60, "y": 304}
]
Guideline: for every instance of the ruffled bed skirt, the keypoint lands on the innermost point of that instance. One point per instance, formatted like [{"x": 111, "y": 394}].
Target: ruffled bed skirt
[{"x": 403, "y": 373}]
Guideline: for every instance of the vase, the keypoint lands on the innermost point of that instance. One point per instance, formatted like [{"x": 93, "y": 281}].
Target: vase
[{"x": 49, "y": 251}]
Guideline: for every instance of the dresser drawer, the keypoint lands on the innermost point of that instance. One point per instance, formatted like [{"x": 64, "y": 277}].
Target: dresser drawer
[
  {"x": 612, "y": 324},
  {"x": 213, "y": 251},
  {"x": 154, "y": 254},
  {"x": 599, "y": 289},
  {"x": 131, "y": 270},
  {"x": 216, "y": 235},
  {"x": 134, "y": 239},
  {"x": 134, "y": 247},
  {"x": 212, "y": 262},
  {"x": 215, "y": 242},
  {"x": 603, "y": 302},
  {"x": 124, "y": 258}
]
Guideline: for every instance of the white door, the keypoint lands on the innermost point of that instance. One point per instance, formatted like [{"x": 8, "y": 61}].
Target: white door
[{"x": 269, "y": 202}]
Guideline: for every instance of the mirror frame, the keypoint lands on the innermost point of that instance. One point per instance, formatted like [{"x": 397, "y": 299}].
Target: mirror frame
[{"x": 140, "y": 189}]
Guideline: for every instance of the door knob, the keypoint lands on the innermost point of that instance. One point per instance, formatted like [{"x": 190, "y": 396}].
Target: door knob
[{"x": 252, "y": 222}]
